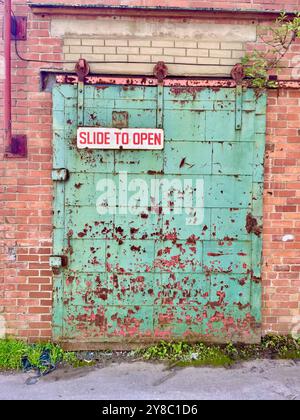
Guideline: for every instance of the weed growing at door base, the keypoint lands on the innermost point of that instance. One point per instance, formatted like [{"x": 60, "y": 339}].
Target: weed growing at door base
[
  {"x": 200, "y": 354},
  {"x": 175, "y": 353},
  {"x": 184, "y": 354},
  {"x": 12, "y": 351}
]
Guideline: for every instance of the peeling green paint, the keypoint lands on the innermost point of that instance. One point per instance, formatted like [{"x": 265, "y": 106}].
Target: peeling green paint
[{"x": 148, "y": 276}]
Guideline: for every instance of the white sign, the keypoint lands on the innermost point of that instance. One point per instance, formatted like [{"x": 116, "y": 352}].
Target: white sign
[{"x": 116, "y": 138}]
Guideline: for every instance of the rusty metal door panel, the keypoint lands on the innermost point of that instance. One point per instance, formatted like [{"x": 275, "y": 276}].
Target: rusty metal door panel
[
  {"x": 137, "y": 161},
  {"x": 181, "y": 257},
  {"x": 197, "y": 157},
  {"x": 137, "y": 227},
  {"x": 232, "y": 158},
  {"x": 155, "y": 272},
  {"x": 229, "y": 191},
  {"x": 227, "y": 256},
  {"x": 175, "y": 226},
  {"x": 227, "y": 221},
  {"x": 184, "y": 118}
]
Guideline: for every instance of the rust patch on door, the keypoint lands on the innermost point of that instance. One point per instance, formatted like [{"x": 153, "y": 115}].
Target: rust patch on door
[
  {"x": 252, "y": 225},
  {"x": 120, "y": 119}
]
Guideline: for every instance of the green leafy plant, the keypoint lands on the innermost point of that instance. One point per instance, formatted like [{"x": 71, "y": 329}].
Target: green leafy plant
[
  {"x": 231, "y": 351},
  {"x": 285, "y": 347},
  {"x": 204, "y": 355},
  {"x": 201, "y": 354},
  {"x": 12, "y": 351},
  {"x": 184, "y": 354},
  {"x": 259, "y": 64},
  {"x": 165, "y": 350},
  {"x": 175, "y": 353}
]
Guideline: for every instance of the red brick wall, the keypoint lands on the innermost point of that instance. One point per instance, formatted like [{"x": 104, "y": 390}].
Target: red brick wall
[
  {"x": 26, "y": 214},
  {"x": 27, "y": 199},
  {"x": 281, "y": 283}
]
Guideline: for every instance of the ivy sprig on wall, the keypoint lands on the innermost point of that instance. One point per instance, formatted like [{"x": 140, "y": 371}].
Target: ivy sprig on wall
[{"x": 258, "y": 65}]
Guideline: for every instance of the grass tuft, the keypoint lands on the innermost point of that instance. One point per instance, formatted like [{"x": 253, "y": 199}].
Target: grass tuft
[
  {"x": 200, "y": 354},
  {"x": 175, "y": 353},
  {"x": 184, "y": 354},
  {"x": 12, "y": 351}
]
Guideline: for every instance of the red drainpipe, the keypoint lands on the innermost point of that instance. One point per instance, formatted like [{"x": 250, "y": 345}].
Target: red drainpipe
[
  {"x": 7, "y": 84},
  {"x": 15, "y": 146}
]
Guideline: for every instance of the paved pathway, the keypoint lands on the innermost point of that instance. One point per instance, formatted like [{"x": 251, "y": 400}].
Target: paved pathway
[{"x": 265, "y": 379}]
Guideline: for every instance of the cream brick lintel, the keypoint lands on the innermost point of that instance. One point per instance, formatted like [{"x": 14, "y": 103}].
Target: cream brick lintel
[{"x": 129, "y": 46}]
